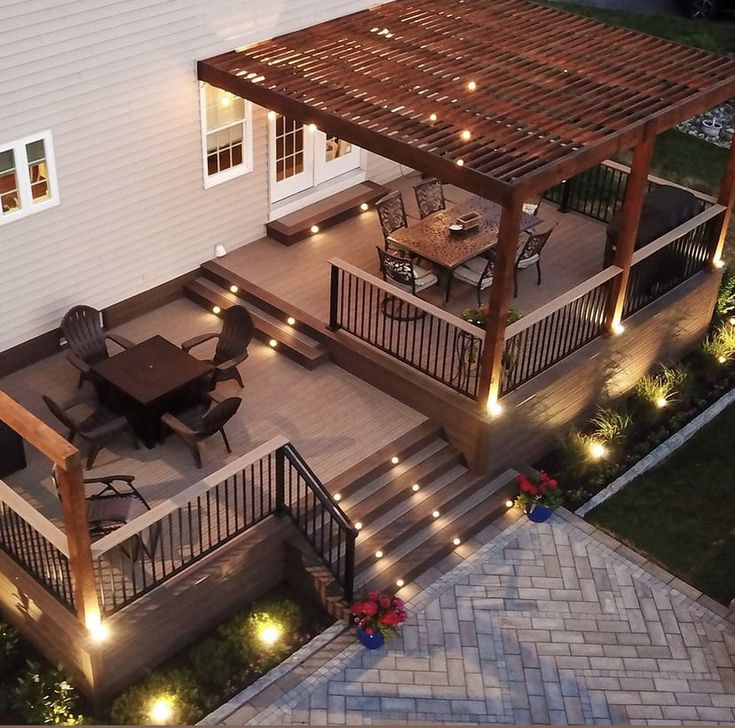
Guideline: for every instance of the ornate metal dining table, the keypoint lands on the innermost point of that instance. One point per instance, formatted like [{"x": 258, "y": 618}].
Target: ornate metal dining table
[{"x": 432, "y": 240}]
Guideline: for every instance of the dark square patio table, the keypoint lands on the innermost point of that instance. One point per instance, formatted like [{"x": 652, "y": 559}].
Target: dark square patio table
[
  {"x": 148, "y": 380},
  {"x": 431, "y": 238}
]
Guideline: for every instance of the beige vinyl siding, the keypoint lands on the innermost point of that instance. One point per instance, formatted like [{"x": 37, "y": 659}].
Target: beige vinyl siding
[{"x": 116, "y": 84}]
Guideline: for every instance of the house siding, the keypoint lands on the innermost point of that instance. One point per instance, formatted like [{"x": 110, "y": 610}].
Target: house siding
[{"x": 116, "y": 85}]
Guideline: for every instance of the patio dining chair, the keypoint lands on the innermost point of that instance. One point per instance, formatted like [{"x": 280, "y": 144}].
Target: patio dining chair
[
  {"x": 97, "y": 428},
  {"x": 477, "y": 272},
  {"x": 429, "y": 197},
  {"x": 232, "y": 344},
  {"x": 392, "y": 216},
  {"x": 196, "y": 424},
  {"x": 402, "y": 272},
  {"x": 82, "y": 329},
  {"x": 531, "y": 255}
]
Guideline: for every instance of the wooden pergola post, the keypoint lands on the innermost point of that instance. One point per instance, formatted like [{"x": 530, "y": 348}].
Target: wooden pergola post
[
  {"x": 76, "y": 524},
  {"x": 727, "y": 199},
  {"x": 631, "y": 217},
  {"x": 491, "y": 364},
  {"x": 68, "y": 471}
]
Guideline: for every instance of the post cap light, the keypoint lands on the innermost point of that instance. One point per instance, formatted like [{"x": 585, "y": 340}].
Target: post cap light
[
  {"x": 617, "y": 328},
  {"x": 718, "y": 263},
  {"x": 494, "y": 408}
]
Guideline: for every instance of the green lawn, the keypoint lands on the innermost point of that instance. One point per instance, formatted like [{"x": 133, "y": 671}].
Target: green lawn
[
  {"x": 717, "y": 37},
  {"x": 682, "y": 513}
]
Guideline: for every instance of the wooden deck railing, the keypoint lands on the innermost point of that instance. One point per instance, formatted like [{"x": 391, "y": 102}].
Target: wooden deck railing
[
  {"x": 413, "y": 331},
  {"x": 272, "y": 479},
  {"x": 672, "y": 259},
  {"x": 35, "y": 543},
  {"x": 554, "y": 331},
  {"x": 599, "y": 192}
]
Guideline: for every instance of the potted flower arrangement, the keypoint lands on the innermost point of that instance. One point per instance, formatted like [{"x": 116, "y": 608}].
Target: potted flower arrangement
[
  {"x": 539, "y": 496},
  {"x": 378, "y": 616},
  {"x": 478, "y": 316}
]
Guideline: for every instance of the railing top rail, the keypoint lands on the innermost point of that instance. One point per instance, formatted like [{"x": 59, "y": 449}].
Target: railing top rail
[
  {"x": 36, "y": 431},
  {"x": 161, "y": 510},
  {"x": 560, "y": 301},
  {"x": 661, "y": 181},
  {"x": 33, "y": 518},
  {"x": 415, "y": 301},
  {"x": 319, "y": 488},
  {"x": 677, "y": 232}
]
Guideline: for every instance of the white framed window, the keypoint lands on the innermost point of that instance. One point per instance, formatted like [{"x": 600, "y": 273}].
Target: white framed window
[
  {"x": 27, "y": 176},
  {"x": 227, "y": 134}
]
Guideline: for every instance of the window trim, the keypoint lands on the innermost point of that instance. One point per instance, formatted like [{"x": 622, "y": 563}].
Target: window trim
[
  {"x": 211, "y": 180},
  {"x": 28, "y": 206}
]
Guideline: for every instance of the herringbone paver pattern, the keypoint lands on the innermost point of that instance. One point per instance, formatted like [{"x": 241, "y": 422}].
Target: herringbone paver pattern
[{"x": 543, "y": 625}]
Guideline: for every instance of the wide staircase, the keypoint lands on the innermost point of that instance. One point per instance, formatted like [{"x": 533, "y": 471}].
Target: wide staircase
[{"x": 414, "y": 502}]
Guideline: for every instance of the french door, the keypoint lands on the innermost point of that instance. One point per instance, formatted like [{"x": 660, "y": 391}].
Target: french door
[{"x": 301, "y": 157}]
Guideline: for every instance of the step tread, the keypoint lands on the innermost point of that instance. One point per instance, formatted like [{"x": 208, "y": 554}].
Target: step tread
[
  {"x": 431, "y": 545},
  {"x": 351, "y": 480}
]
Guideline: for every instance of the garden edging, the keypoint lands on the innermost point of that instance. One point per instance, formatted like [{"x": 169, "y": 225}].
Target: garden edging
[{"x": 659, "y": 453}]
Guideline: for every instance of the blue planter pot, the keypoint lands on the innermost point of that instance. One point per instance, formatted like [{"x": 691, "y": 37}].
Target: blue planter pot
[
  {"x": 538, "y": 514},
  {"x": 371, "y": 641}
]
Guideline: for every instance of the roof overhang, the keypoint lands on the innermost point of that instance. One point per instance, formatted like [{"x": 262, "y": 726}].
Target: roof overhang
[{"x": 554, "y": 93}]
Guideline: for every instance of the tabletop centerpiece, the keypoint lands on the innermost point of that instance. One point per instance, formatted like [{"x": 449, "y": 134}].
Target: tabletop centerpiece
[
  {"x": 539, "y": 496},
  {"x": 378, "y": 617}
]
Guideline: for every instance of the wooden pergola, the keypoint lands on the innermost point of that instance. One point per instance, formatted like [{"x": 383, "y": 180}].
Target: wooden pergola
[{"x": 503, "y": 98}]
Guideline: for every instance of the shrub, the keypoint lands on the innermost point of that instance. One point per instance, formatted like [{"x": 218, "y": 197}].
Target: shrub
[
  {"x": 611, "y": 425},
  {"x": 662, "y": 387},
  {"x": 8, "y": 649},
  {"x": 576, "y": 454},
  {"x": 175, "y": 689},
  {"x": 214, "y": 662},
  {"x": 720, "y": 344},
  {"x": 44, "y": 696},
  {"x": 725, "y": 305}
]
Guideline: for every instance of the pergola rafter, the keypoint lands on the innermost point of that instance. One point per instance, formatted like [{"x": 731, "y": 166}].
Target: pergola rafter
[{"x": 555, "y": 93}]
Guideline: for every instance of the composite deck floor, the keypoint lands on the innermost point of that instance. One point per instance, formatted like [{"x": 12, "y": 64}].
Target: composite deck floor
[
  {"x": 299, "y": 274},
  {"x": 332, "y": 418}
]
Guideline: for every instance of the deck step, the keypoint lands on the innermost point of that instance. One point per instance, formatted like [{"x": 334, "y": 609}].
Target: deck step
[
  {"x": 291, "y": 342},
  {"x": 297, "y": 226},
  {"x": 427, "y": 541}
]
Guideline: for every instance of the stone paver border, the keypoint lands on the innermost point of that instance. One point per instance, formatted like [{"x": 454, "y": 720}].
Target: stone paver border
[{"x": 659, "y": 453}]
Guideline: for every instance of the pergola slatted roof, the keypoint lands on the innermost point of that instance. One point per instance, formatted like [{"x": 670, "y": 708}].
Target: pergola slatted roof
[{"x": 555, "y": 92}]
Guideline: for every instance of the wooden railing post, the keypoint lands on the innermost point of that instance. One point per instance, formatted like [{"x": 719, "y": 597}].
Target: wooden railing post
[
  {"x": 628, "y": 232},
  {"x": 334, "y": 323},
  {"x": 76, "y": 522},
  {"x": 727, "y": 199},
  {"x": 491, "y": 364},
  {"x": 564, "y": 203}
]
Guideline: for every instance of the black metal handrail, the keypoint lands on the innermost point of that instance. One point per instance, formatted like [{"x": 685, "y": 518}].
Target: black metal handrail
[
  {"x": 555, "y": 331},
  {"x": 411, "y": 330},
  {"x": 153, "y": 548},
  {"x": 321, "y": 521},
  {"x": 42, "y": 555},
  {"x": 666, "y": 263}
]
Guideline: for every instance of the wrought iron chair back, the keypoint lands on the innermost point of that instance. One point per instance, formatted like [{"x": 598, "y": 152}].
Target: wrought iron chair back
[
  {"x": 534, "y": 245},
  {"x": 429, "y": 197},
  {"x": 397, "y": 269},
  {"x": 391, "y": 213}
]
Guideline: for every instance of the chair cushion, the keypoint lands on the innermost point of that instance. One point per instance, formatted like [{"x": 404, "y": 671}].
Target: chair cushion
[
  {"x": 468, "y": 275},
  {"x": 529, "y": 208},
  {"x": 113, "y": 511},
  {"x": 527, "y": 262},
  {"x": 424, "y": 279},
  {"x": 476, "y": 264}
]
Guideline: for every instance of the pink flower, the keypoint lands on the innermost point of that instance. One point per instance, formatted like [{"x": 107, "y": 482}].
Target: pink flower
[{"x": 397, "y": 602}]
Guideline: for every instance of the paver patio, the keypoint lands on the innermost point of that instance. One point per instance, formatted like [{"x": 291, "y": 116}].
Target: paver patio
[{"x": 546, "y": 623}]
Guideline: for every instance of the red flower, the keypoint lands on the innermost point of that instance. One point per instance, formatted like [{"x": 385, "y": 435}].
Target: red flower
[
  {"x": 358, "y": 608},
  {"x": 389, "y": 619},
  {"x": 553, "y": 484},
  {"x": 532, "y": 490},
  {"x": 370, "y": 608},
  {"x": 373, "y": 596},
  {"x": 384, "y": 602}
]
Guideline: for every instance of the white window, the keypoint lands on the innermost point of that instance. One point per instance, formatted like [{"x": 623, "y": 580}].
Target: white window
[
  {"x": 27, "y": 177},
  {"x": 227, "y": 138}
]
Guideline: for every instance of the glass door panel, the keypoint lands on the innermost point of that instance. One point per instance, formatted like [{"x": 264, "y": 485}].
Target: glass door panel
[
  {"x": 333, "y": 156},
  {"x": 291, "y": 161}
]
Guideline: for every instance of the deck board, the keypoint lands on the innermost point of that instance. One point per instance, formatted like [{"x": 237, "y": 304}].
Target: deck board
[
  {"x": 333, "y": 418},
  {"x": 299, "y": 274}
]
